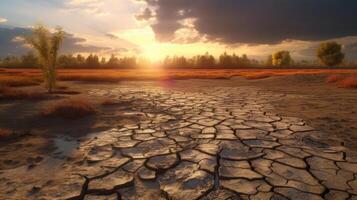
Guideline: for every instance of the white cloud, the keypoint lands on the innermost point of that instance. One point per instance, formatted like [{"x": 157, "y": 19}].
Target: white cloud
[
  {"x": 81, "y": 2},
  {"x": 3, "y": 20},
  {"x": 88, "y": 7}
]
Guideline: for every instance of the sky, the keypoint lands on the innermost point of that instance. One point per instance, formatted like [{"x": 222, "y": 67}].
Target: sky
[{"x": 154, "y": 29}]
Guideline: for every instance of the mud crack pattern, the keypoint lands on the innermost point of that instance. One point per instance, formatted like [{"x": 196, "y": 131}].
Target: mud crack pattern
[{"x": 210, "y": 143}]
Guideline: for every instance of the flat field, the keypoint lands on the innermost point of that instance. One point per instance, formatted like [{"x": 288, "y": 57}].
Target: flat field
[
  {"x": 32, "y": 76},
  {"x": 179, "y": 134}
]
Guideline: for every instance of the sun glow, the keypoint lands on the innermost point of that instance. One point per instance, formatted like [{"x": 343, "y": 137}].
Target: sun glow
[{"x": 153, "y": 50}]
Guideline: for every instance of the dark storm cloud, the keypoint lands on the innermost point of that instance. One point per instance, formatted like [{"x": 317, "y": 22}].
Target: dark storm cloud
[
  {"x": 258, "y": 21},
  {"x": 8, "y": 45},
  {"x": 12, "y": 45},
  {"x": 145, "y": 15},
  {"x": 72, "y": 44}
]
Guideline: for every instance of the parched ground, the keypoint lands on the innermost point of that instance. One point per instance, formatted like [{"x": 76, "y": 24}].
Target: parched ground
[{"x": 290, "y": 137}]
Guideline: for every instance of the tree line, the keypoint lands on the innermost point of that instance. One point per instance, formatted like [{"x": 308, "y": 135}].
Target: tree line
[
  {"x": 47, "y": 44},
  {"x": 30, "y": 60},
  {"x": 209, "y": 61},
  {"x": 94, "y": 61},
  {"x": 328, "y": 54}
]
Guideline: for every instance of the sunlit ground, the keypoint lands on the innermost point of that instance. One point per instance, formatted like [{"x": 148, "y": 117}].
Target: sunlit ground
[{"x": 112, "y": 75}]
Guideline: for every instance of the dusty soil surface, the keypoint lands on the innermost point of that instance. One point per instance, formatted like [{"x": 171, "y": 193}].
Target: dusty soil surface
[
  {"x": 291, "y": 137},
  {"x": 326, "y": 107}
]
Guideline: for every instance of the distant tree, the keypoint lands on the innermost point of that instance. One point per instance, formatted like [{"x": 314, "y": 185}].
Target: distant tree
[
  {"x": 182, "y": 62},
  {"x": 330, "y": 53},
  {"x": 103, "y": 61},
  {"x": 11, "y": 61},
  {"x": 245, "y": 60},
  {"x": 80, "y": 60},
  {"x": 92, "y": 61},
  {"x": 234, "y": 61},
  {"x": 281, "y": 58},
  {"x": 113, "y": 61},
  {"x": 29, "y": 60},
  {"x": 178, "y": 62},
  {"x": 205, "y": 60},
  {"x": 47, "y": 45},
  {"x": 67, "y": 61},
  {"x": 225, "y": 60},
  {"x": 127, "y": 62}
]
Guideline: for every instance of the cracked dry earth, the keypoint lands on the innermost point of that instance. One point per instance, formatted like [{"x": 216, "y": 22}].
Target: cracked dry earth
[{"x": 206, "y": 143}]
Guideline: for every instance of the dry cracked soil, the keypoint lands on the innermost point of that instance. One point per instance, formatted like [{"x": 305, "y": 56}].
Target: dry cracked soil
[{"x": 189, "y": 141}]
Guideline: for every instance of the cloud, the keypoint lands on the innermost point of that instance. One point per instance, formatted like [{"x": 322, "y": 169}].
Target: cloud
[
  {"x": 89, "y": 7},
  {"x": 111, "y": 36},
  {"x": 12, "y": 44},
  {"x": 256, "y": 21},
  {"x": 3, "y": 20},
  {"x": 10, "y": 41},
  {"x": 145, "y": 15},
  {"x": 72, "y": 44},
  {"x": 79, "y": 2}
]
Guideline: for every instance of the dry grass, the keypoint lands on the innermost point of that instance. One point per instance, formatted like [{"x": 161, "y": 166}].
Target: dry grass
[
  {"x": 70, "y": 109},
  {"x": 115, "y": 75},
  {"x": 61, "y": 87},
  {"x": 18, "y": 80},
  {"x": 334, "y": 78},
  {"x": 4, "y": 133},
  {"x": 108, "y": 102},
  {"x": 348, "y": 82},
  {"x": 110, "y": 75},
  {"x": 7, "y": 93},
  {"x": 67, "y": 92},
  {"x": 258, "y": 76},
  {"x": 343, "y": 81}
]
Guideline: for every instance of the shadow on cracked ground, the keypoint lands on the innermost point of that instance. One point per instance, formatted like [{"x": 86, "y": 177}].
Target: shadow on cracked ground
[{"x": 191, "y": 139}]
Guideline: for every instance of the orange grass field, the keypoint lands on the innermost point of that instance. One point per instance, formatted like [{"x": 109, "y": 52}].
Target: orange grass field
[{"x": 22, "y": 77}]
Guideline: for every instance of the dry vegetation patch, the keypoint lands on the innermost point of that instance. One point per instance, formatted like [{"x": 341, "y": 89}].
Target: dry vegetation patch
[
  {"x": 33, "y": 76},
  {"x": 7, "y": 93},
  {"x": 61, "y": 87},
  {"x": 109, "y": 102},
  {"x": 66, "y": 92},
  {"x": 5, "y": 133},
  {"x": 259, "y": 76},
  {"x": 70, "y": 109},
  {"x": 333, "y": 78},
  {"x": 348, "y": 82},
  {"x": 343, "y": 81},
  {"x": 18, "y": 80}
]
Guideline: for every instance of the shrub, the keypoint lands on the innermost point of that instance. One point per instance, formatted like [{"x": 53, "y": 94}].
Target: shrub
[
  {"x": 258, "y": 76},
  {"x": 108, "y": 102},
  {"x": 15, "y": 81},
  {"x": 70, "y": 109},
  {"x": 330, "y": 53},
  {"x": 349, "y": 82},
  {"x": 4, "y": 133},
  {"x": 333, "y": 78},
  {"x": 7, "y": 93},
  {"x": 281, "y": 58},
  {"x": 47, "y": 45}
]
